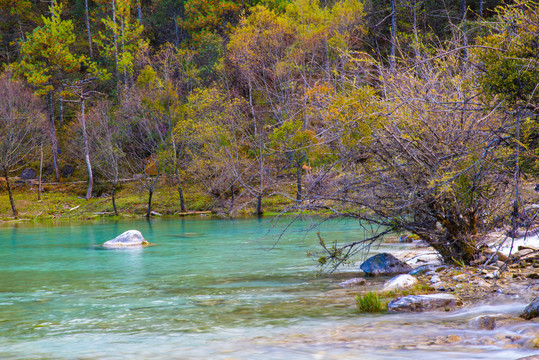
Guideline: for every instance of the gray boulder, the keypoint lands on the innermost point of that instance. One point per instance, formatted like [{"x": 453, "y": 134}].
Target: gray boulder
[
  {"x": 484, "y": 322},
  {"x": 128, "y": 238},
  {"x": 532, "y": 310},
  {"x": 28, "y": 174},
  {"x": 353, "y": 282},
  {"x": 424, "y": 302},
  {"x": 423, "y": 269},
  {"x": 384, "y": 264}
]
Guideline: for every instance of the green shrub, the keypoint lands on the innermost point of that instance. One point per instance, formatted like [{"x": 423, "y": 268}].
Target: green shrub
[{"x": 369, "y": 302}]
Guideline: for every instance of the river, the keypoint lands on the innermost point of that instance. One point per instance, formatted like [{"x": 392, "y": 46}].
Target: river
[{"x": 211, "y": 289}]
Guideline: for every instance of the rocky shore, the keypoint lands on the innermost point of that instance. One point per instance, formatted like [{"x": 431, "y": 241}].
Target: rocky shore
[{"x": 507, "y": 273}]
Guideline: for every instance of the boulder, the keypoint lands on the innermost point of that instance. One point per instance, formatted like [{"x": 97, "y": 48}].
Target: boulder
[
  {"x": 353, "y": 282},
  {"x": 400, "y": 282},
  {"x": 424, "y": 302},
  {"x": 532, "y": 310},
  {"x": 128, "y": 238},
  {"x": 423, "y": 269},
  {"x": 67, "y": 171},
  {"x": 484, "y": 322},
  {"x": 384, "y": 264},
  {"x": 28, "y": 174}
]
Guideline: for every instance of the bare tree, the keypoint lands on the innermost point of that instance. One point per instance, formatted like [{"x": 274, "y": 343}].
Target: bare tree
[
  {"x": 432, "y": 164},
  {"x": 146, "y": 132},
  {"x": 21, "y": 126},
  {"x": 106, "y": 136}
]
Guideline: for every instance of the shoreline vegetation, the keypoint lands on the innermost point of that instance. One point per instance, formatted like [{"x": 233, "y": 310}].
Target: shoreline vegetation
[{"x": 65, "y": 201}]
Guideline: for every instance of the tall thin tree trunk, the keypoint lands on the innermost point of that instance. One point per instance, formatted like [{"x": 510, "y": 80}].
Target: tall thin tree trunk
[
  {"x": 11, "y": 201},
  {"x": 123, "y": 52},
  {"x": 53, "y": 137},
  {"x": 139, "y": 12},
  {"x": 232, "y": 199},
  {"x": 40, "y": 171},
  {"x": 114, "y": 199},
  {"x": 393, "y": 36},
  {"x": 149, "y": 211},
  {"x": 20, "y": 28},
  {"x": 86, "y": 150},
  {"x": 177, "y": 32},
  {"x": 481, "y": 8},
  {"x": 298, "y": 182},
  {"x": 61, "y": 111},
  {"x": 115, "y": 39},
  {"x": 463, "y": 20},
  {"x": 88, "y": 29},
  {"x": 259, "y": 205},
  {"x": 180, "y": 191}
]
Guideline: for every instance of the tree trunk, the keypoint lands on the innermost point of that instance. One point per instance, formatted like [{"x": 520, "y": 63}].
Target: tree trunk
[
  {"x": 139, "y": 12},
  {"x": 88, "y": 29},
  {"x": 115, "y": 39},
  {"x": 481, "y": 8},
  {"x": 232, "y": 199},
  {"x": 11, "y": 201},
  {"x": 463, "y": 20},
  {"x": 393, "y": 36},
  {"x": 40, "y": 171},
  {"x": 123, "y": 52},
  {"x": 298, "y": 182},
  {"x": 86, "y": 151},
  {"x": 177, "y": 32},
  {"x": 61, "y": 111},
  {"x": 180, "y": 191},
  {"x": 259, "y": 205},
  {"x": 149, "y": 212},
  {"x": 53, "y": 137},
  {"x": 114, "y": 199}
]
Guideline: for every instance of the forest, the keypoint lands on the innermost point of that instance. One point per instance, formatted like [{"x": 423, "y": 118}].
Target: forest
[{"x": 415, "y": 116}]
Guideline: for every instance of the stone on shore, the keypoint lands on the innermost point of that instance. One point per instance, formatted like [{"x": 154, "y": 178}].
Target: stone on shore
[
  {"x": 400, "y": 282},
  {"x": 28, "y": 174},
  {"x": 424, "y": 268},
  {"x": 128, "y": 238},
  {"x": 384, "y": 264},
  {"x": 353, "y": 282},
  {"x": 424, "y": 302},
  {"x": 532, "y": 310}
]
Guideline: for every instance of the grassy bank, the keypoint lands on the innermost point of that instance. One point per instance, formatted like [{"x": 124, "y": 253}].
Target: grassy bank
[{"x": 66, "y": 201}]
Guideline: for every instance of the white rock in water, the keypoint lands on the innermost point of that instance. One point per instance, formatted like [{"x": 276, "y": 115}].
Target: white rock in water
[
  {"x": 128, "y": 238},
  {"x": 400, "y": 282}
]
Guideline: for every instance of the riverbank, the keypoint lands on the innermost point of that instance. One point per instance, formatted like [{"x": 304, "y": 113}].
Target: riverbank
[
  {"x": 65, "y": 201},
  {"x": 481, "y": 289}
]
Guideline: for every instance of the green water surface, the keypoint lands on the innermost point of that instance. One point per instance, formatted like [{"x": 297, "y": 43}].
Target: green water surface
[{"x": 208, "y": 289}]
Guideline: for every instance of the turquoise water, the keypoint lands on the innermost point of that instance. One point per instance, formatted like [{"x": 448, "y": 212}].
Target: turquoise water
[{"x": 209, "y": 288}]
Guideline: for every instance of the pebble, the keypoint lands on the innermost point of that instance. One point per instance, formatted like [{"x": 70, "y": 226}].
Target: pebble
[{"x": 460, "y": 277}]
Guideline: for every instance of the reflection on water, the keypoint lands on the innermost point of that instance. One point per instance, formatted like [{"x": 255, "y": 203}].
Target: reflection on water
[{"x": 210, "y": 289}]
